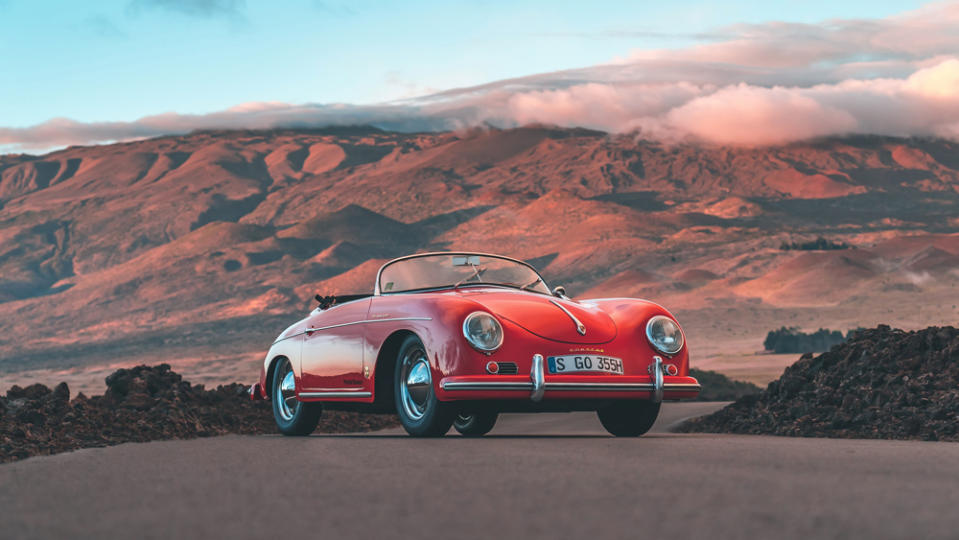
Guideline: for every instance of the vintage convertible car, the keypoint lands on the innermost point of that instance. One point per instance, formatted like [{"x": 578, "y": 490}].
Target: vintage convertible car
[{"x": 458, "y": 338}]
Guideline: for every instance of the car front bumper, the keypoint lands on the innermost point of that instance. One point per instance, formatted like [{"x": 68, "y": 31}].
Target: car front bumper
[{"x": 655, "y": 387}]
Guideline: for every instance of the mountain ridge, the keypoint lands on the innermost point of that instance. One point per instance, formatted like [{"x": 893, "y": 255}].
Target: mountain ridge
[{"x": 98, "y": 243}]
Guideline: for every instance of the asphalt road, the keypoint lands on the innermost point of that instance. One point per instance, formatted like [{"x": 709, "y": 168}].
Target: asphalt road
[{"x": 535, "y": 476}]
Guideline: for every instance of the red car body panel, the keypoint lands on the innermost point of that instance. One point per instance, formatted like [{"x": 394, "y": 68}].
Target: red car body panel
[
  {"x": 544, "y": 319},
  {"x": 335, "y": 352},
  {"x": 333, "y": 358}
]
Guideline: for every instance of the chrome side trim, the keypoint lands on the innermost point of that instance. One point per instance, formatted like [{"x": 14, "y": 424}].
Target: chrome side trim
[
  {"x": 311, "y": 330},
  {"x": 570, "y": 386},
  {"x": 682, "y": 386},
  {"x": 580, "y": 327},
  {"x": 601, "y": 387},
  {"x": 616, "y": 387},
  {"x": 317, "y": 329},
  {"x": 335, "y": 394},
  {"x": 536, "y": 375},
  {"x": 484, "y": 385}
]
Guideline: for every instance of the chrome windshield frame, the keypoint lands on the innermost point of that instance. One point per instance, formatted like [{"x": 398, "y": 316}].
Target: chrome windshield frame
[{"x": 378, "y": 292}]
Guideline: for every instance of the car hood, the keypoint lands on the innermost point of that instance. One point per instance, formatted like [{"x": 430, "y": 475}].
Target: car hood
[{"x": 547, "y": 316}]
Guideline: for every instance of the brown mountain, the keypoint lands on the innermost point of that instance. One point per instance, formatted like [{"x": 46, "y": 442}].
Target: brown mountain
[{"x": 198, "y": 249}]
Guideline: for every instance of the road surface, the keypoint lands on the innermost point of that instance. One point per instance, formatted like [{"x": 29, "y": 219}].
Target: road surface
[{"x": 535, "y": 476}]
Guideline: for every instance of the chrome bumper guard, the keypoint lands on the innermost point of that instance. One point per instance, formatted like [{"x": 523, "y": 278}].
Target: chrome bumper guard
[
  {"x": 538, "y": 387},
  {"x": 657, "y": 379},
  {"x": 536, "y": 375}
]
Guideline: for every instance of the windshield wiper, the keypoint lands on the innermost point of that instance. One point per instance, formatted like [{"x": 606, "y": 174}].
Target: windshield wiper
[
  {"x": 477, "y": 273},
  {"x": 528, "y": 285}
]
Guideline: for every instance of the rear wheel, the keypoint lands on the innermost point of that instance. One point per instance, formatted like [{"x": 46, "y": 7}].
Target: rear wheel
[
  {"x": 292, "y": 416},
  {"x": 420, "y": 412},
  {"x": 475, "y": 424},
  {"x": 629, "y": 418}
]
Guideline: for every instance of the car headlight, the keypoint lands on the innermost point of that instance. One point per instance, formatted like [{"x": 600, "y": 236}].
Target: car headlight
[
  {"x": 664, "y": 334},
  {"x": 483, "y": 331}
]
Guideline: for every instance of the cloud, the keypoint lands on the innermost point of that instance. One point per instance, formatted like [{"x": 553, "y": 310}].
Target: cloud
[
  {"x": 194, "y": 8},
  {"x": 755, "y": 84},
  {"x": 64, "y": 132},
  {"x": 939, "y": 82},
  {"x": 750, "y": 115}
]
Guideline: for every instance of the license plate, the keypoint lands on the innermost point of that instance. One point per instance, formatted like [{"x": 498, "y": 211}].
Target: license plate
[{"x": 573, "y": 363}]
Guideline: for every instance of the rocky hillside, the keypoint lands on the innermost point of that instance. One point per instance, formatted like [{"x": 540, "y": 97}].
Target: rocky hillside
[
  {"x": 203, "y": 247},
  {"x": 882, "y": 384}
]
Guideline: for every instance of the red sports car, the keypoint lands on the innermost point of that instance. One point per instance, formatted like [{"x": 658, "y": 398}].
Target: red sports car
[{"x": 455, "y": 339}]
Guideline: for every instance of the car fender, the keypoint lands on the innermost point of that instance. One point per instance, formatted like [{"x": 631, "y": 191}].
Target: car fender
[{"x": 288, "y": 344}]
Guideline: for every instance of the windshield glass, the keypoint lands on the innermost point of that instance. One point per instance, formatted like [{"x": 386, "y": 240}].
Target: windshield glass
[{"x": 456, "y": 269}]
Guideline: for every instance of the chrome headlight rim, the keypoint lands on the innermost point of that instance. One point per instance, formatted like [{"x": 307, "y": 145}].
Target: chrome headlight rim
[
  {"x": 649, "y": 335},
  {"x": 469, "y": 338}
]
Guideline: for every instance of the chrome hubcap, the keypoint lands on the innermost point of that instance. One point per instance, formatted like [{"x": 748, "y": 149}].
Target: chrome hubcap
[
  {"x": 416, "y": 384},
  {"x": 285, "y": 394}
]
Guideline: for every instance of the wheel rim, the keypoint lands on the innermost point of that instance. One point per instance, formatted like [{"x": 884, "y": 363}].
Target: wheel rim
[
  {"x": 285, "y": 394},
  {"x": 416, "y": 384}
]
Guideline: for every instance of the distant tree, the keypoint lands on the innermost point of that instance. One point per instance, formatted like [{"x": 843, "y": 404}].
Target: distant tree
[
  {"x": 819, "y": 244},
  {"x": 792, "y": 340}
]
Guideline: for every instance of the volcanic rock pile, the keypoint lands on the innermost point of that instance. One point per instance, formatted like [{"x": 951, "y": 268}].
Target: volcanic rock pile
[
  {"x": 141, "y": 404},
  {"x": 881, "y": 384}
]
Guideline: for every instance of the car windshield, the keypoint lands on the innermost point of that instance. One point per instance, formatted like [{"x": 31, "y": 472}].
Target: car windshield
[{"x": 458, "y": 270}]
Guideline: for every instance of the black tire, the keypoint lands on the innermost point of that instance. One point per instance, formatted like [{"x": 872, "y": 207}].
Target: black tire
[
  {"x": 298, "y": 418},
  {"x": 420, "y": 412},
  {"x": 629, "y": 418},
  {"x": 475, "y": 424}
]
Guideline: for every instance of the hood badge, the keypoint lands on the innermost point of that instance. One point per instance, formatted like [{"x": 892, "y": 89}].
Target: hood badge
[{"x": 580, "y": 327}]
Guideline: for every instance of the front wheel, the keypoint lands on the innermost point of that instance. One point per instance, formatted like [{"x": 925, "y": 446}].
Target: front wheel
[
  {"x": 475, "y": 424},
  {"x": 629, "y": 418},
  {"x": 292, "y": 416},
  {"x": 420, "y": 412}
]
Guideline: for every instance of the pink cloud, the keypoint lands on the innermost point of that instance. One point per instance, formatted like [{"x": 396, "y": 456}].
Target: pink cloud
[
  {"x": 750, "y": 115},
  {"x": 937, "y": 82},
  {"x": 608, "y": 107},
  {"x": 755, "y": 84}
]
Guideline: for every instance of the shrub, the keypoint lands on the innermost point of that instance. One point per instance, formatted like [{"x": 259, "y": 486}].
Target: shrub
[
  {"x": 819, "y": 244},
  {"x": 718, "y": 387},
  {"x": 792, "y": 340}
]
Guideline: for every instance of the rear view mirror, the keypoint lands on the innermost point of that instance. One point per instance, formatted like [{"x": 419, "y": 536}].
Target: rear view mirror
[
  {"x": 559, "y": 291},
  {"x": 466, "y": 260}
]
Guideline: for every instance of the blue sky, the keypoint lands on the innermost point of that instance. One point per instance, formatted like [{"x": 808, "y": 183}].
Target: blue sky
[{"x": 119, "y": 60}]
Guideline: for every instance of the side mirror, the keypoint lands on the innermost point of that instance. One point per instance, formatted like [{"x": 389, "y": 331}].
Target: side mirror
[{"x": 559, "y": 291}]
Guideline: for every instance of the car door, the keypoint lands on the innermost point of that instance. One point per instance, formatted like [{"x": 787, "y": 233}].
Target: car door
[{"x": 332, "y": 357}]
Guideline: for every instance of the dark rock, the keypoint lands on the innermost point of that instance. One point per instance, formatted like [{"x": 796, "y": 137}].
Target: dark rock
[
  {"x": 61, "y": 394},
  {"x": 140, "y": 404},
  {"x": 31, "y": 416},
  {"x": 882, "y": 383},
  {"x": 34, "y": 391}
]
